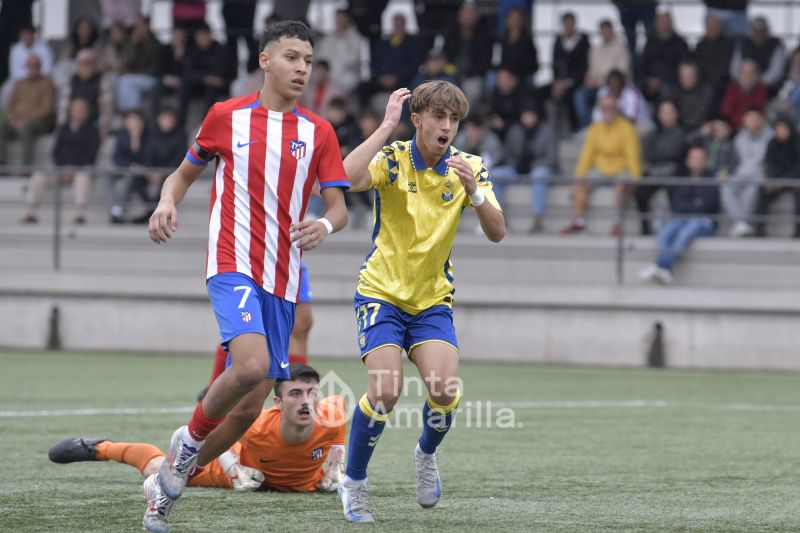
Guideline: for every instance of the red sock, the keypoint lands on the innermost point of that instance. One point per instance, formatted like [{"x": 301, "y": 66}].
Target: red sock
[
  {"x": 200, "y": 425},
  {"x": 299, "y": 359},
  {"x": 220, "y": 359}
]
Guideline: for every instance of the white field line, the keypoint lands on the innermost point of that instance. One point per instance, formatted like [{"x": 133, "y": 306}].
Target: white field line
[{"x": 543, "y": 404}]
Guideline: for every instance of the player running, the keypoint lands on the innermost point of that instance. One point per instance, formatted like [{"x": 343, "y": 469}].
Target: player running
[
  {"x": 268, "y": 151},
  {"x": 284, "y": 450},
  {"x": 405, "y": 287}
]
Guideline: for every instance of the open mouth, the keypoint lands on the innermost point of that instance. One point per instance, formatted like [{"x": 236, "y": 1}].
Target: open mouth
[
  {"x": 442, "y": 140},
  {"x": 299, "y": 83},
  {"x": 304, "y": 411}
]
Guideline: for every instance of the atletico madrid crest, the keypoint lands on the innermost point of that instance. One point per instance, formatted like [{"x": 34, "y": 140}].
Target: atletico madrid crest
[
  {"x": 246, "y": 316},
  {"x": 298, "y": 149}
]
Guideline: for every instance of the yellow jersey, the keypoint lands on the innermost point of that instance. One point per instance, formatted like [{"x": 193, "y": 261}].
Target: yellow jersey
[{"x": 416, "y": 214}]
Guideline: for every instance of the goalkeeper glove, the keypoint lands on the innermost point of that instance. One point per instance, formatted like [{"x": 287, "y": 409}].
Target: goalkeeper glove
[
  {"x": 244, "y": 478},
  {"x": 335, "y": 471}
]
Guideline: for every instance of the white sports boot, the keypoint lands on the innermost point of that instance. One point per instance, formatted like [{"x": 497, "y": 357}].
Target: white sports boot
[
  {"x": 429, "y": 486},
  {"x": 158, "y": 506},
  {"x": 178, "y": 464},
  {"x": 355, "y": 500}
]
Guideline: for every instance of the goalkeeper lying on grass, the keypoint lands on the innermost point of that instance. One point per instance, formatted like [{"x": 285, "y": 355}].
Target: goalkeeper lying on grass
[{"x": 284, "y": 450}]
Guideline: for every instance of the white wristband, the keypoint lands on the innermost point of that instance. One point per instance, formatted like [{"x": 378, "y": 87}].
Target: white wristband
[
  {"x": 327, "y": 224},
  {"x": 477, "y": 198},
  {"x": 227, "y": 460}
]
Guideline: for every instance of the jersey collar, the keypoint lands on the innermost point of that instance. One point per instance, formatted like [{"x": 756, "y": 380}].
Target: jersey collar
[{"x": 419, "y": 164}]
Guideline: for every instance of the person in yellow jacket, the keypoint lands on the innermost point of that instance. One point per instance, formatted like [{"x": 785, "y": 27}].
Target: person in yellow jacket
[{"x": 611, "y": 151}]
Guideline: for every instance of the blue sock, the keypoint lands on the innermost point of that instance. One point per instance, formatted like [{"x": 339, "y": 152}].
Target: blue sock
[
  {"x": 365, "y": 430},
  {"x": 436, "y": 422}
]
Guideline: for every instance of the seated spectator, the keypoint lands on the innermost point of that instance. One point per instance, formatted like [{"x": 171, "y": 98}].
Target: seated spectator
[
  {"x": 474, "y": 137},
  {"x": 713, "y": 54},
  {"x": 342, "y": 50},
  {"x": 139, "y": 67},
  {"x": 349, "y": 136},
  {"x": 166, "y": 148},
  {"x": 693, "y": 98},
  {"x": 782, "y": 161},
  {"x": 609, "y": 55},
  {"x": 505, "y": 102},
  {"x": 469, "y": 48},
  {"x": 630, "y": 101},
  {"x": 766, "y": 50},
  {"x": 170, "y": 68},
  {"x": 611, "y": 151},
  {"x": 30, "y": 111},
  {"x": 570, "y": 63},
  {"x": 321, "y": 90},
  {"x": 663, "y": 150},
  {"x": 201, "y": 74},
  {"x": 113, "y": 51},
  {"x": 87, "y": 83},
  {"x": 517, "y": 51},
  {"x": 84, "y": 34},
  {"x": 76, "y": 144},
  {"x": 662, "y": 54},
  {"x": 740, "y": 191},
  {"x": 435, "y": 67},
  {"x": 530, "y": 150},
  {"x": 743, "y": 93},
  {"x": 715, "y": 136},
  {"x": 27, "y": 46},
  {"x": 129, "y": 155},
  {"x": 694, "y": 208}
]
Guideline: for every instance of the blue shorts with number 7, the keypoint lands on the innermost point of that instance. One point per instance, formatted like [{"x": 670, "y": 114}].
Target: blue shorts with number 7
[
  {"x": 242, "y": 306},
  {"x": 381, "y": 323}
]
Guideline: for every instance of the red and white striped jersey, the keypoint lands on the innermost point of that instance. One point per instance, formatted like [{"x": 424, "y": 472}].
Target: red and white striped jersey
[{"x": 266, "y": 163}]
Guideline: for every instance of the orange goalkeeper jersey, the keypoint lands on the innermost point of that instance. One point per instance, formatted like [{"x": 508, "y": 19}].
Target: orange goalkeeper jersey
[{"x": 287, "y": 468}]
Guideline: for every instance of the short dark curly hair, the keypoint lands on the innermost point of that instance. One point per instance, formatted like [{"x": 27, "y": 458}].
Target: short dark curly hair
[
  {"x": 287, "y": 28},
  {"x": 297, "y": 372}
]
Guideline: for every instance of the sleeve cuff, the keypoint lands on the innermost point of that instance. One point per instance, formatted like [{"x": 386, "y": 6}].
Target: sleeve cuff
[
  {"x": 339, "y": 183},
  {"x": 194, "y": 159}
]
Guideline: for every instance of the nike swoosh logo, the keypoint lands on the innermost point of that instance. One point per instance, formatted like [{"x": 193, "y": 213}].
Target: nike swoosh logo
[
  {"x": 240, "y": 144},
  {"x": 284, "y": 364}
]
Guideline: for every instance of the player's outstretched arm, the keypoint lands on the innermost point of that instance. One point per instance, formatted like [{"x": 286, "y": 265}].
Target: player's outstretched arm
[
  {"x": 307, "y": 234},
  {"x": 492, "y": 221},
  {"x": 356, "y": 164},
  {"x": 164, "y": 220}
]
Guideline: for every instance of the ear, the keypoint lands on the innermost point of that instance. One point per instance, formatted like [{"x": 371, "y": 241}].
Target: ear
[
  {"x": 276, "y": 400},
  {"x": 263, "y": 61},
  {"x": 416, "y": 120}
]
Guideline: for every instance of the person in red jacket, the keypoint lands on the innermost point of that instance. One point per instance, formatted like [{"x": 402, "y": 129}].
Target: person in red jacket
[{"x": 743, "y": 93}]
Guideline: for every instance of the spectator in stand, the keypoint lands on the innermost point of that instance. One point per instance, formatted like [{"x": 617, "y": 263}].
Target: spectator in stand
[
  {"x": 84, "y": 34},
  {"x": 170, "y": 68},
  {"x": 570, "y": 64},
  {"x": 435, "y": 67},
  {"x": 695, "y": 205},
  {"x": 30, "y": 111},
  {"x": 88, "y": 84},
  {"x": 342, "y": 50},
  {"x": 27, "y": 46},
  {"x": 789, "y": 95},
  {"x": 743, "y": 93},
  {"x": 766, "y": 50},
  {"x": 291, "y": 9},
  {"x": 239, "y": 16},
  {"x": 530, "y": 150},
  {"x": 505, "y": 102},
  {"x": 782, "y": 161},
  {"x": 475, "y": 137},
  {"x": 129, "y": 155},
  {"x": 517, "y": 51},
  {"x": 693, "y": 98},
  {"x": 469, "y": 48},
  {"x": 189, "y": 15},
  {"x": 732, "y": 13},
  {"x": 139, "y": 67},
  {"x": 124, "y": 12},
  {"x": 349, "y": 136},
  {"x": 630, "y": 101},
  {"x": 713, "y": 54},
  {"x": 76, "y": 144},
  {"x": 663, "y": 52},
  {"x": 166, "y": 149},
  {"x": 740, "y": 191},
  {"x": 664, "y": 150},
  {"x": 321, "y": 90},
  {"x": 611, "y": 54},
  {"x": 631, "y": 12},
  {"x": 715, "y": 136},
  {"x": 366, "y": 16},
  {"x": 611, "y": 151},
  {"x": 436, "y": 19},
  {"x": 13, "y": 16},
  {"x": 114, "y": 51},
  {"x": 202, "y": 74}
]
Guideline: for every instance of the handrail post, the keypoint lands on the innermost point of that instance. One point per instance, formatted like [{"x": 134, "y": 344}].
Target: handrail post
[
  {"x": 57, "y": 223},
  {"x": 621, "y": 235}
]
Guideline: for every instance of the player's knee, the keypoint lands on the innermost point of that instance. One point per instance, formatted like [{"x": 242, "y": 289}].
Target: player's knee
[
  {"x": 250, "y": 375},
  {"x": 385, "y": 400}
]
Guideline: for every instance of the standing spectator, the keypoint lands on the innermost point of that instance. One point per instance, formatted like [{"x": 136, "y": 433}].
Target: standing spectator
[
  {"x": 114, "y": 51},
  {"x": 469, "y": 48},
  {"x": 743, "y": 93},
  {"x": 713, "y": 54},
  {"x": 202, "y": 74},
  {"x": 30, "y": 111},
  {"x": 732, "y": 13},
  {"x": 189, "y": 15},
  {"x": 630, "y": 101},
  {"x": 694, "y": 206},
  {"x": 740, "y": 191},
  {"x": 321, "y": 90},
  {"x": 570, "y": 64},
  {"x": 124, "y": 12},
  {"x": 342, "y": 50},
  {"x": 766, "y": 50},
  {"x": 88, "y": 84},
  {"x": 663, "y": 52},
  {"x": 694, "y": 99},
  {"x": 129, "y": 154},
  {"x": 611, "y": 151},
  {"x": 530, "y": 150},
  {"x": 170, "y": 68},
  {"x": 782, "y": 161},
  {"x": 517, "y": 52},
  {"x": 13, "y": 16},
  {"x": 76, "y": 144},
  {"x": 505, "y": 102},
  {"x": 140, "y": 67},
  {"x": 436, "y": 18},
  {"x": 435, "y": 67},
  {"x": 631, "y": 12},
  {"x": 609, "y": 55},
  {"x": 366, "y": 15},
  {"x": 663, "y": 153},
  {"x": 239, "y": 16}
]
